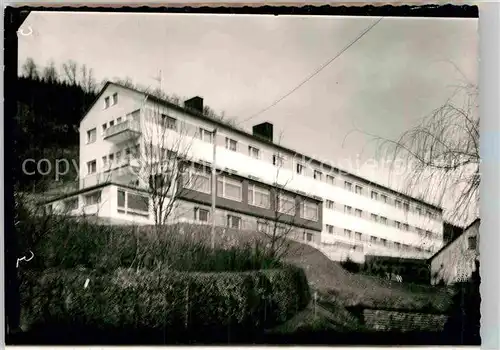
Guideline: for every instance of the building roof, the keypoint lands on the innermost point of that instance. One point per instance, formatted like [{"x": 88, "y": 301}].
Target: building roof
[
  {"x": 454, "y": 239},
  {"x": 225, "y": 125}
]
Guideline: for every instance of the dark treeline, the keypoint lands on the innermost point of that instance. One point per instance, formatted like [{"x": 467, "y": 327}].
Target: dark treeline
[{"x": 49, "y": 108}]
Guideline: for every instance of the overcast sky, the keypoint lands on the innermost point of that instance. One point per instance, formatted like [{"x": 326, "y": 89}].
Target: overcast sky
[{"x": 397, "y": 73}]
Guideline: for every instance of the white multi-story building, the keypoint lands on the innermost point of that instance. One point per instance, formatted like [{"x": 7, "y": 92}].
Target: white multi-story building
[{"x": 341, "y": 213}]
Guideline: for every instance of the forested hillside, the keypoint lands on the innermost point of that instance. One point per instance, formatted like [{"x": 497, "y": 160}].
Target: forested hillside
[{"x": 49, "y": 108}]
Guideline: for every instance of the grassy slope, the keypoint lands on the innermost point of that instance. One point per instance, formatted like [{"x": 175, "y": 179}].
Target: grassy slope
[{"x": 338, "y": 289}]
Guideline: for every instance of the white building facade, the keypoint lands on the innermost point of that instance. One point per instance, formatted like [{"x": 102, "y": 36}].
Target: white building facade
[{"x": 343, "y": 214}]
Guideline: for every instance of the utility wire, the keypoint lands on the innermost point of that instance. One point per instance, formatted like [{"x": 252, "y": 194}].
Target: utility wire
[{"x": 314, "y": 73}]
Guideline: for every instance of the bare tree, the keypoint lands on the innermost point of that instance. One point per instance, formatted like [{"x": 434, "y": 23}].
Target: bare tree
[
  {"x": 164, "y": 161},
  {"x": 70, "y": 69},
  {"x": 30, "y": 69},
  {"x": 280, "y": 228},
  {"x": 442, "y": 155},
  {"x": 50, "y": 73},
  {"x": 88, "y": 82}
]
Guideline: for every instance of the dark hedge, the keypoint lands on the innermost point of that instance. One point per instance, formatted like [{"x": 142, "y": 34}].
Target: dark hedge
[{"x": 163, "y": 299}]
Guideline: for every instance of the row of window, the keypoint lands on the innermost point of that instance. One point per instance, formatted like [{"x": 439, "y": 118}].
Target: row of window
[
  {"x": 258, "y": 196},
  {"x": 358, "y": 236},
  {"x": 203, "y": 215},
  {"x": 278, "y": 160},
  {"x": 329, "y": 204},
  {"x": 88, "y": 199},
  {"x": 110, "y": 100}
]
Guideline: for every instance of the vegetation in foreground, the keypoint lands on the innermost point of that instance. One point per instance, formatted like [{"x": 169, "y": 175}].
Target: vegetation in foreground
[{"x": 110, "y": 279}]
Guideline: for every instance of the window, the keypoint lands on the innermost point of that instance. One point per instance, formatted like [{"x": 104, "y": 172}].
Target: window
[
  {"x": 406, "y": 227},
  {"x": 383, "y": 220},
  {"x": 233, "y": 221},
  {"x": 358, "y": 189},
  {"x": 374, "y": 217},
  {"x": 383, "y": 197},
  {"x": 118, "y": 155},
  {"x": 93, "y": 198},
  {"x": 318, "y": 175},
  {"x": 374, "y": 195},
  {"x": 111, "y": 159},
  {"x": 231, "y": 144},
  {"x": 419, "y": 231},
  {"x": 406, "y": 206},
  {"x": 357, "y": 236},
  {"x": 106, "y": 102},
  {"x": 384, "y": 242},
  {"x": 348, "y": 185},
  {"x": 91, "y": 135},
  {"x": 201, "y": 214},
  {"x": 472, "y": 242},
  {"x": 263, "y": 226},
  {"x": 308, "y": 236},
  {"x": 115, "y": 98},
  {"x": 347, "y": 209},
  {"x": 198, "y": 181},
  {"x": 330, "y": 179},
  {"x": 137, "y": 202},
  {"x": 330, "y": 204},
  {"x": 71, "y": 204},
  {"x": 259, "y": 196},
  {"x": 310, "y": 211},
  {"x": 397, "y": 245},
  {"x": 397, "y": 203},
  {"x": 347, "y": 233},
  {"x": 253, "y": 152},
  {"x": 229, "y": 188},
  {"x": 170, "y": 123},
  {"x": 206, "y": 135},
  {"x": 104, "y": 127},
  {"x": 373, "y": 239},
  {"x": 429, "y": 214},
  {"x": 418, "y": 210},
  {"x": 358, "y": 213},
  {"x": 104, "y": 161},
  {"x": 118, "y": 120},
  {"x": 428, "y": 234},
  {"x": 397, "y": 224},
  {"x": 299, "y": 168},
  {"x": 111, "y": 123},
  {"x": 329, "y": 228},
  {"x": 91, "y": 167},
  {"x": 278, "y": 160},
  {"x": 121, "y": 199},
  {"x": 286, "y": 204}
]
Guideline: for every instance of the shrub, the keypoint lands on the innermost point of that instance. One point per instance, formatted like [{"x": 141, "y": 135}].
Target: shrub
[
  {"x": 168, "y": 300},
  {"x": 351, "y": 266},
  {"x": 69, "y": 243}
]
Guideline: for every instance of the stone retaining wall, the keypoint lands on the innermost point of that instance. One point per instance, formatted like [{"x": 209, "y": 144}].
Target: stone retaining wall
[{"x": 385, "y": 320}]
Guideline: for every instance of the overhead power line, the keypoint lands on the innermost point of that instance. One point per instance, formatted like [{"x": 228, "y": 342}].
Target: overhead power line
[{"x": 317, "y": 71}]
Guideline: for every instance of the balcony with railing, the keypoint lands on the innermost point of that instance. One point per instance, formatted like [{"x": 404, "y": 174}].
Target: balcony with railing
[{"x": 123, "y": 131}]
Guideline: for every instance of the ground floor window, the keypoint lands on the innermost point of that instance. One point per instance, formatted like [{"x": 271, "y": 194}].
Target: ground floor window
[
  {"x": 71, "y": 204},
  {"x": 233, "y": 221},
  {"x": 308, "y": 236},
  {"x": 93, "y": 198},
  {"x": 132, "y": 203},
  {"x": 201, "y": 214},
  {"x": 263, "y": 226}
]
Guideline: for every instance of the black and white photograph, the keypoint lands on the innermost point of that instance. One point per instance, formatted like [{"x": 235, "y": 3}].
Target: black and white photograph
[{"x": 221, "y": 177}]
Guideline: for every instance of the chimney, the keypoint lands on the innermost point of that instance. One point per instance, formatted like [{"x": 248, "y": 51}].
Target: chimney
[
  {"x": 195, "y": 103},
  {"x": 264, "y": 131}
]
